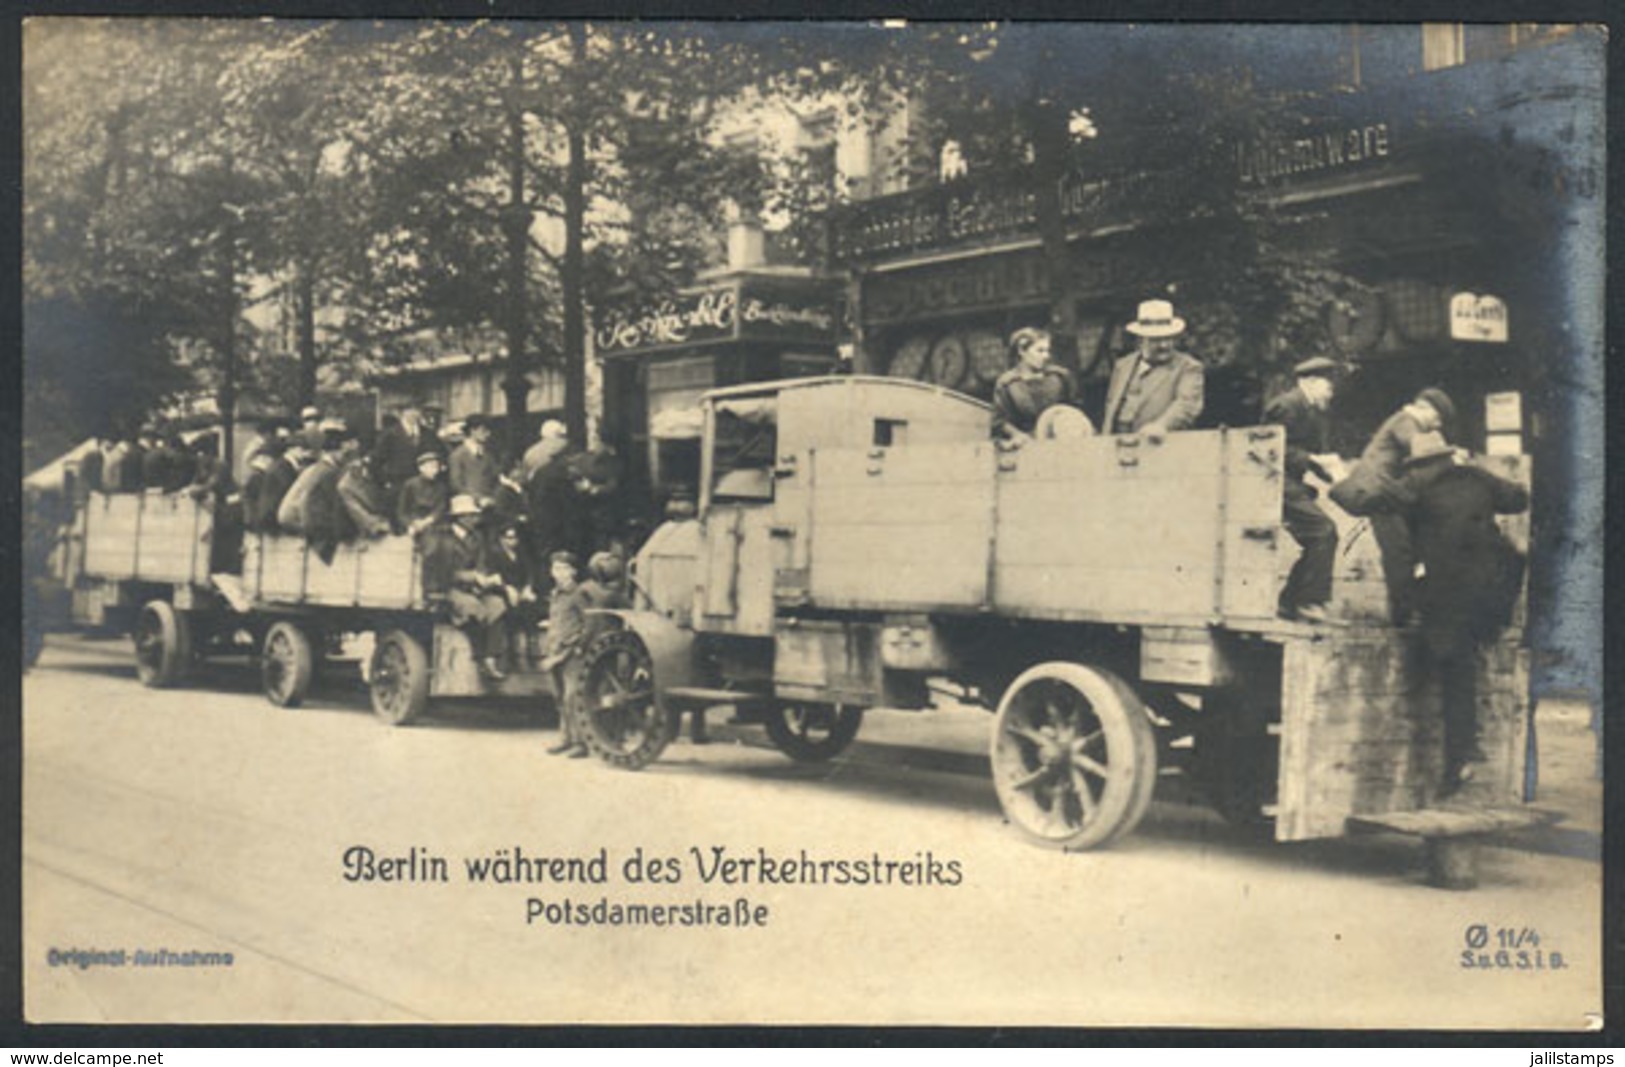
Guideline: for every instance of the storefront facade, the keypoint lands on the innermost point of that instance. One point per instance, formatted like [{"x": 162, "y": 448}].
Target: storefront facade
[{"x": 660, "y": 355}]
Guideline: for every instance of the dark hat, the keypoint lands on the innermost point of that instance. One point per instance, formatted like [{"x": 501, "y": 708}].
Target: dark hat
[
  {"x": 564, "y": 556},
  {"x": 606, "y": 566},
  {"x": 1439, "y": 401},
  {"x": 1315, "y": 366},
  {"x": 1428, "y": 446},
  {"x": 426, "y": 456}
]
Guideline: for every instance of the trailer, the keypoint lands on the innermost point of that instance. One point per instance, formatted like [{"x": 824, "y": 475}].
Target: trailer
[
  {"x": 862, "y": 542},
  {"x": 160, "y": 567}
]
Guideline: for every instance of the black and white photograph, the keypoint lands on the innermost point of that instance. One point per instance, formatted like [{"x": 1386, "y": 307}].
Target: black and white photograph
[{"x": 838, "y": 522}]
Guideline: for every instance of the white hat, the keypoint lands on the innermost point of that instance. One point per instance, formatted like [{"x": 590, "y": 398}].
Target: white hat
[
  {"x": 552, "y": 428},
  {"x": 463, "y": 504},
  {"x": 310, "y": 413},
  {"x": 1156, "y": 319}
]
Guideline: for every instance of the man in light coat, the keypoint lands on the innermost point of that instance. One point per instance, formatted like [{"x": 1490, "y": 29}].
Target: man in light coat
[{"x": 1158, "y": 389}]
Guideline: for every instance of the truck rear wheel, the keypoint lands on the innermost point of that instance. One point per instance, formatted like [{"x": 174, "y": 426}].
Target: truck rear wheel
[
  {"x": 810, "y": 733},
  {"x": 163, "y": 645},
  {"x": 1074, "y": 757},
  {"x": 287, "y": 662},
  {"x": 614, "y": 700},
  {"x": 399, "y": 678}
]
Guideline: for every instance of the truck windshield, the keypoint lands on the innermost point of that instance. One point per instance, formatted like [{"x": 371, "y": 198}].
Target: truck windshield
[{"x": 744, "y": 448}]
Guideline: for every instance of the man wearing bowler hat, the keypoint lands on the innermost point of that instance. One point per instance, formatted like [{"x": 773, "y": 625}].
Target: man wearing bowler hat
[
  {"x": 1158, "y": 389},
  {"x": 1301, "y": 411}
]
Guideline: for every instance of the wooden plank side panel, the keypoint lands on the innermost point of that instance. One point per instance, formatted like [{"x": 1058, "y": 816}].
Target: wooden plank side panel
[
  {"x": 280, "y": 577},
  {"x": 902, "y": 526},
  {"x": 1361, "y": 731},
  {"x": 334, "y": 582},
  {"x": 1102, "y": 527},
  {"x": 110, "y": 535},
  {"x": 390, "y": 573},
  {"x": 173, "y": 545}
]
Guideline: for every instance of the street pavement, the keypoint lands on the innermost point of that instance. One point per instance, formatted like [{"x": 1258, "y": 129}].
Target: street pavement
[{"x": 206, "y": 820}]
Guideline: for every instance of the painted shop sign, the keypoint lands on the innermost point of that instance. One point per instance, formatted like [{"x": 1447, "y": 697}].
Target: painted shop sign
[
  {"x": 1325, "y": 150},
  {"x": 1478, "y": 318},
  {"x": 737, "y": 311},
  {"x": 1013, "y": 279},
  {"x": 990, "y": 208}
]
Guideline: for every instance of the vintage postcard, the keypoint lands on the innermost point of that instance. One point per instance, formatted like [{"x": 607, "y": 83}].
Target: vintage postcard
[{"x": 1001, "y": 523}]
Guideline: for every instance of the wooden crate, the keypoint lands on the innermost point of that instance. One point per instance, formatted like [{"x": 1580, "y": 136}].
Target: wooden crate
[{"x": 1362, "y": 733}]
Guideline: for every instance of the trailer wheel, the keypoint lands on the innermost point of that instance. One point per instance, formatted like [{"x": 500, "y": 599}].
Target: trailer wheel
[
  {"x": 614, "y": 700},
  {"x": 1074, "y": 757},
  {"x": 399, "y": 678},
  {"x": 163, "y": 645},
  {"x": 809, "y": 733},
  {"x": 287, "y": 662}
]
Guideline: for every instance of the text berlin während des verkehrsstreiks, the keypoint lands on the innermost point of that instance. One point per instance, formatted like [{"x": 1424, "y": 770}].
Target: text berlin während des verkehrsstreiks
[{"x": 716, "y": 865}]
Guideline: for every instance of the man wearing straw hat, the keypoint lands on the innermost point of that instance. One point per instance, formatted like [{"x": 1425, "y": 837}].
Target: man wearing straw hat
[{"x": 1158, "y": 389}]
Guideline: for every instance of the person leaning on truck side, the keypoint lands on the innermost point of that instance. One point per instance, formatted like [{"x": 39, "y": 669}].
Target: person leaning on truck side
[
  {"x": 1027, "y": 389},
  {"x": 291, "y": 514},
  {"x": 1301, "y": 411},
  {"x": 1158, "y": 389},
  {"x": 1471, "y": 576},
  {"x": 1384, "y": 462}
]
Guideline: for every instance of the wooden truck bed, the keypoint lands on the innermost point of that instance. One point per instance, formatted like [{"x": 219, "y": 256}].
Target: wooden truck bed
[{"x": 283, "y": 570}]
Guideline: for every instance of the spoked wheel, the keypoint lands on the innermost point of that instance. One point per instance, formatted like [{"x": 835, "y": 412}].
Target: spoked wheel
[
  {"x": 1074, "y": 757},
  {"x": 287, "y": 662},
  {"x": 163, "y": 645},
  {"x": 399, "y": 678},
  {"x": 615, "y": 701},
  {"x": 813, "y": 732}
]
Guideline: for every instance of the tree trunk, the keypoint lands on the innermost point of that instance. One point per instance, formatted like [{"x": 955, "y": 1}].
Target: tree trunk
[
  {"x": 516, "y": 223},
  {"x": 304, "y": 311},
  {"x": 575, "y": 178},
  {"x": 1047, "y": 125},
  {"x": 227, "y": 399}
]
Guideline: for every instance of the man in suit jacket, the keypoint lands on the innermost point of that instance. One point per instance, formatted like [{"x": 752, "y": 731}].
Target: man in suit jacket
[
  {"x": 1158, "y": 389},
  {"x": 1301, "y": 411},
  {"x": 1471, "y": 577},
  {"x": 473, "y": 469},
  {"x": 1386, "y": 454}
]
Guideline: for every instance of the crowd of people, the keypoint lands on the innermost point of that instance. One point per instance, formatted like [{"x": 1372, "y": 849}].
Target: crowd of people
[
  {"x": 1448, "y": 569},
  {"x": 505, "y": 544}
]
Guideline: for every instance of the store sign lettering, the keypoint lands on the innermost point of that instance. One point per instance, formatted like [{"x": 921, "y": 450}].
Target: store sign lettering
[
  {"x": 785, "y": 315},
  {"x": 671, "y": 322},
  {"x": 1328, "y": 150},
  {"x": 1478, "y": 318}
]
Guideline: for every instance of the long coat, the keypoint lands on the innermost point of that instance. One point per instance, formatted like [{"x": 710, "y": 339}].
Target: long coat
[
  {"x": 473, "y": 473},
  {"x": 261, "y": 509},
  {"x": 1471, "y": 572},
  {"x": 1145, "y": 396}
]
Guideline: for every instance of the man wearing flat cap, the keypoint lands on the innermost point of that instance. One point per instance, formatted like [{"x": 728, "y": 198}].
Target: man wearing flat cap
[
  {"x": 1471, "y": 577},
  {"x": 1301, "y": 411},
  {"x": 1384, "y": 459},
  {"x": 424, "y": 498},
  {"x": 1158, "y": 389}
]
